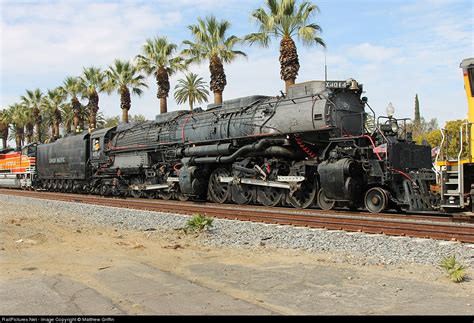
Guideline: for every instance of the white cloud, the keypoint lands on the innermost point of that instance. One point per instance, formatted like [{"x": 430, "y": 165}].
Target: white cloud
[{"x": 61, "y": 38}]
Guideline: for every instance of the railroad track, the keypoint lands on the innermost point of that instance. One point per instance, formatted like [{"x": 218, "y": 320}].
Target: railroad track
[{"x": 439, "y": 227}]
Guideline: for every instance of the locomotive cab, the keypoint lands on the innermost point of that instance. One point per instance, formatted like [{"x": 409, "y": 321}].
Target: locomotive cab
[{"x": 100, "y": 142}]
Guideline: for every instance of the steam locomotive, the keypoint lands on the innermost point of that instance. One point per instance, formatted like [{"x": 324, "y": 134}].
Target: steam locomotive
[{"x": 310, "y": 146}]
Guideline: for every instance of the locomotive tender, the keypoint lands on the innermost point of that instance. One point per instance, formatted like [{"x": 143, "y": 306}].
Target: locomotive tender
[{"x": 310, "y": 146}]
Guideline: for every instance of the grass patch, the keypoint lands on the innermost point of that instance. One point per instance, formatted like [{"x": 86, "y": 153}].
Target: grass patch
[{"x": 453, "y": 268}]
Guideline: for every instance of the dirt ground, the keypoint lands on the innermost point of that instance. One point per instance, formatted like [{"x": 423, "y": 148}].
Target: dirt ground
[{"x": 65, "y": 267}]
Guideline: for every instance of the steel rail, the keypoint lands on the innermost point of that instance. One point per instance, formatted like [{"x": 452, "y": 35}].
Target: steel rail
[{"x": 434, "y": 227}]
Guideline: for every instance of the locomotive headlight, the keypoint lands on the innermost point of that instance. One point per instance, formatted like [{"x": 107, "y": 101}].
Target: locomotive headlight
[{"x": 394, "y": 125}]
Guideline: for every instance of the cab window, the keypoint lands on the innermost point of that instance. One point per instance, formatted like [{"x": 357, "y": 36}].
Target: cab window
[
  {"x": 470, "y": 74},
  {"x": 32, "y": 151}
]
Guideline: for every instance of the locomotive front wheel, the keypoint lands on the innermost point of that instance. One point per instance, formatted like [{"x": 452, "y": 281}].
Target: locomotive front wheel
[
  {"x": 217, "y": 191},
  {"x": 324, "y": 202},
  {"x": 376, "y": 200}
]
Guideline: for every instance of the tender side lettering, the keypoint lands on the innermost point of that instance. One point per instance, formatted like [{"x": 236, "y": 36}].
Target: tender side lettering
[{"x": 57, "y": 160}]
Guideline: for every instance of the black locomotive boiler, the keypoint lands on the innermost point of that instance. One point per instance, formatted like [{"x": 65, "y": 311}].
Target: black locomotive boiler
[{"x": 310, "y": 146}]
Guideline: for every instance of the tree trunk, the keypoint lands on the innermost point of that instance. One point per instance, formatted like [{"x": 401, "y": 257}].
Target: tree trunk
[
  {"x": 38, "y": 120},
  {"x": 76, "y": 108},
  {"x": 289, "y": 63},
  {"x": 218, "y": 78},
  {"x": 163, "y": 105},
  {"x": 125, "y": 115},
  {"x": 29, "y": 133},
  {"x": 218, "y": 97},
  {"x": 190, "y": 104},
  {"x": 162, "y": 79},
  {"x": 94, "y": 108},
  {"x": 76, "y": 123},
  {"x": 38, "y": 131},
  {"x": 57, "y": 121},
  {"x": 56, "y": 130},
  {"x": 125, "y": 102},
  {"x": 18, "y": 137},
  {"x": 289, "y": 83}
]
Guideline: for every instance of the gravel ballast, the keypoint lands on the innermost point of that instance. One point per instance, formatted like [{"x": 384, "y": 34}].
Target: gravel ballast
[{"x": 354, "y": 248}]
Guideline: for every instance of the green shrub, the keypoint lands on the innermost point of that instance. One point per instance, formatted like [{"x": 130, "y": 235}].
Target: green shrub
[
  {"x": 455, "y": 271},
  {"x": 198, "y": 223}
]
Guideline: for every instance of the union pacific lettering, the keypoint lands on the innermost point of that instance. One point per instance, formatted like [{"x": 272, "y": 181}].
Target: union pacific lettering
[{"x": 57, "y": 160}]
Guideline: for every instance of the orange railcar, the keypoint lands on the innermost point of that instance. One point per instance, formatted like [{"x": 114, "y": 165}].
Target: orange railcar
[{"x": 18, "y": 168}]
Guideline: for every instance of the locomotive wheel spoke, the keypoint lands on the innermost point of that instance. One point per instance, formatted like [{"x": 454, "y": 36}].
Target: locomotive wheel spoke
[
  {"x": 182, "y": 197},
  {"x": 324, "y": 202},
  {"x": 218, "y": 192},
  {"x": 149, "y": 194},
  {"x": 104, "y": 190},
  {"x": 165, "y": 195},
  {"x": 304, "y": 196},
  {"x": 270, "y": 196},
  {"x": 136, "y": 193},
  {"x": 243, "y": 194},
  {"x": 376, "y": 200}
]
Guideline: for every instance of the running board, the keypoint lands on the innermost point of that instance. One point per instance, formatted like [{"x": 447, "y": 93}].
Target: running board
[
  {"x": 149, "y": 187},
  {"x": 143, "y": 187},
  {"x": 283, "y": 181}
]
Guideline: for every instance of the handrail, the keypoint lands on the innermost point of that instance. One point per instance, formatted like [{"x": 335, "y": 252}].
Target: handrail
[
  {"x": 465, "y": 125},
  {"x": 461, "y": 146},
  {"x": 468, "y": 137},
  {"x": 440, "y": 145}
]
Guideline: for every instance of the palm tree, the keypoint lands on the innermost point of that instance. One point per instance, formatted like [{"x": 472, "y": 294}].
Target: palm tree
[
  {"x": 192, "y": 89},
  {"x": 51, "y": 107},
  {"x": 4, "y": 126},
  {"x": 93, "y": 81},
  {"x": 123, "y": 76},
  {"x": 158, "y": 58},
  {"x": 32, "y": 100},
  {"x": 284, "y": 19},
  {"x": 29, "y": 124},
  {"x": 67, "y": 116},
  {"x": 72, "y": 87},
  {"x": 19, "y": 117},
  {"x": 211, "y": 43}
]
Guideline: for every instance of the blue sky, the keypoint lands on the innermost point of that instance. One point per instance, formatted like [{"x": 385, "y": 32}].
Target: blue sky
[{"x": 395, "y": 48}]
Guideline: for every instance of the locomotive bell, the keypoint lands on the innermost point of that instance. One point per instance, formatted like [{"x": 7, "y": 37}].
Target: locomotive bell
[{"x": 354, "y": 86}]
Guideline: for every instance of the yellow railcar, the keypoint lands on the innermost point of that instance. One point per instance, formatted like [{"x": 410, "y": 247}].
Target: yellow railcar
[{"x": 456, "y": 175}]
